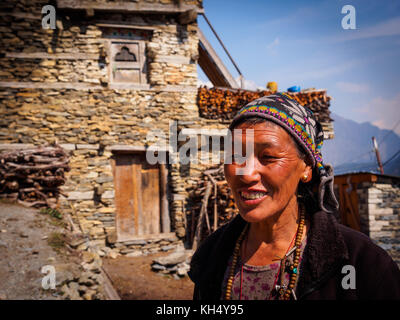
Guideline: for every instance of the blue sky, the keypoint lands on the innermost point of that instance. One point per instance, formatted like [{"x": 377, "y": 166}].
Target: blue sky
[{"x": 303, "y": 43}]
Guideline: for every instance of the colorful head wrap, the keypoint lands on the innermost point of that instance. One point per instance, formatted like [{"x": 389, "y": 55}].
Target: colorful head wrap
[{"x": 301, "y": 124}]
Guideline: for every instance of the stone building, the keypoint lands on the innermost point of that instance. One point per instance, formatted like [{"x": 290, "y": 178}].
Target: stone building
[
  {"x": 100, "y": 84},
  {"x": 370, "y": 203}
]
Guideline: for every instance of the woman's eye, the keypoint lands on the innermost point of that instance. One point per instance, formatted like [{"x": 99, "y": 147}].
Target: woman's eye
[{"x": 267, "y": 157}]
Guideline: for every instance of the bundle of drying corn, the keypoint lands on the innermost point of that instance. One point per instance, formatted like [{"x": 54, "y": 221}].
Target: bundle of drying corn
[
  {"x": 220, "y": 103},
  {"x": 33, "y": 176}
]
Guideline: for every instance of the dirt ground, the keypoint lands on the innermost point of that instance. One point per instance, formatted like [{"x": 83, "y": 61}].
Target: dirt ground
[
  {"x": 30, "y": 240},
  {"x": 134, "y": 280}
]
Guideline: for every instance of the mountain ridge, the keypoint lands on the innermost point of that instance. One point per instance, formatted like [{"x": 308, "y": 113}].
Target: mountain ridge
[{"x": 352, "y": 151}]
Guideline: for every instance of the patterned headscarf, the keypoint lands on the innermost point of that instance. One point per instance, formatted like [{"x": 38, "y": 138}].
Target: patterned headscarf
[{"x": 301, "y": 124}]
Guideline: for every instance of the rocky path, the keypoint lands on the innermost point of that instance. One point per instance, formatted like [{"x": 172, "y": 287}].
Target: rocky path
[
  {"x": 133, "y": 279},
  {"x": 30, "y": 240}
]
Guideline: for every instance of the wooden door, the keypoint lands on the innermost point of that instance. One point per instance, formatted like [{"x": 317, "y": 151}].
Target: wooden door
[{"x": 137, "y": 196}]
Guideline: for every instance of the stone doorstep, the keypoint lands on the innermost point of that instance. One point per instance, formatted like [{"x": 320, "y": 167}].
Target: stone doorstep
[
  {"x": 174, "y": 258},
  {"x": 134, "y": 242},
  {"x": 170, "y": 236},
  {"x": 135, "y": 253},
  {"x": 168, "y": 247}
]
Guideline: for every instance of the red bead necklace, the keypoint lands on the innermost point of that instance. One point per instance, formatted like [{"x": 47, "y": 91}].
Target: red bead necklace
[{"x": 283, "y": 291}]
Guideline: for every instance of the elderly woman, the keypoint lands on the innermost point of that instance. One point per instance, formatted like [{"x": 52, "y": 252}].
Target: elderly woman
[{"x": 286, "y": 243}]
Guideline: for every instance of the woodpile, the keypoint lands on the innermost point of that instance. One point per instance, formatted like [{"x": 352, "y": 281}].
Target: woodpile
[
  {"x": 222, "y": 103},
  {"x": 33, "y": 176},
  {"x": 317, "y": 101},
  {"x": 212, "y": 205}
]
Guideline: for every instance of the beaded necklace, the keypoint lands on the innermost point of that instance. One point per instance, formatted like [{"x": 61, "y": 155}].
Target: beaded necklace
[{"x": 284, "y": 291}]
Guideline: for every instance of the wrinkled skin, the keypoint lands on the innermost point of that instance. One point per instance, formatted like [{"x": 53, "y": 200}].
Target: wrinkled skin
[{"x": 276, "y": 168}]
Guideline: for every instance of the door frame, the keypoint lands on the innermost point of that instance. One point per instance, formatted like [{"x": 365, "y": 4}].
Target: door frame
[{"x": 165, "y": 220}]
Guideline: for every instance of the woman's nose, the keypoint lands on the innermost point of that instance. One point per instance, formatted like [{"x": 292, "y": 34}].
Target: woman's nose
[{"x": 249, "y": 172}]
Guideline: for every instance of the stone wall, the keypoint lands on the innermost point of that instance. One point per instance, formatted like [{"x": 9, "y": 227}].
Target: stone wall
[
  {"x": 379, "y": 207},
  {"x": 54, "y": 87}
]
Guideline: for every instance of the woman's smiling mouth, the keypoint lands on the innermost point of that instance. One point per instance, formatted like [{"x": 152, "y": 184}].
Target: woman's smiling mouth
[{"x": 252, "y": 197}]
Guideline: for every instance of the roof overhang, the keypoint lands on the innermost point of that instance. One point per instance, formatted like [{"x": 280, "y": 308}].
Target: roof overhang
[
  {"x": 132, "y": 7},
  {"x": 213, "y": 66}
]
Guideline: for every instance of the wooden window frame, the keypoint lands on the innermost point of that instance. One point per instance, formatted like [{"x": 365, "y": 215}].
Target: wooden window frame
[{"x": 139, "y": 64}]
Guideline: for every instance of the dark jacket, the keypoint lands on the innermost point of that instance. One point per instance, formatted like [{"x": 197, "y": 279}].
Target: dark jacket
[{"x": 330, "y": 246}]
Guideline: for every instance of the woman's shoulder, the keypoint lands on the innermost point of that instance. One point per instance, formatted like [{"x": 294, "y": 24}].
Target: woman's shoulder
[
  {"x": 360, "y": 244},
  {"x": 216, "y": 244},
  {"x": 357, "y": 246},
  {"x": 378, "y": 273},
  {"x": 218, "y": 237}
]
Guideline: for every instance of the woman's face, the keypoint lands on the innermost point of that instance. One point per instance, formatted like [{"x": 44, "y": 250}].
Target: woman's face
[{"x": 270, "y": 175}]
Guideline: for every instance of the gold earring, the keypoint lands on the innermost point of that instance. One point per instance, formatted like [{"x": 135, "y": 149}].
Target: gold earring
[{"x": 304, "y": 178}]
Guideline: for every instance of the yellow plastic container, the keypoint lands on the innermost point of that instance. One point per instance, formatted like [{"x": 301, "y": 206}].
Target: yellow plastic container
[{"x": 272, "y": 86}]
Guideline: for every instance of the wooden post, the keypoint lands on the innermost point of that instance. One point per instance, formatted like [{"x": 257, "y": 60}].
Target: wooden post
[
  {"x": 215, "y": 208},
  {"x": 203, "y": 211},
  {"x": 378, "y": 157},
  {"x": 165, "y": 221}
]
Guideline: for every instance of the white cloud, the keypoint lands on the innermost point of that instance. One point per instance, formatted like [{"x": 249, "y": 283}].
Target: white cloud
[
  {"x": 390, "y": 27},
  {"x": 272, "y": 47},
  {"x": 248, "y": 84},
  {"x": 298, "y": 15},
  {"x": 382, "y": 112},
  {"x": 352, "y": 87},
  {"x": 317, "y": 71}
]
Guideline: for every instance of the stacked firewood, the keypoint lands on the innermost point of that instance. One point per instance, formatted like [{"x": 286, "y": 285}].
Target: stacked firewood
[
  {"x": 211, "y": 205},
  {"x": 33, "y": 176},
  {"x": 221, "y": 103},
  {"x": 317, "y": 101}
]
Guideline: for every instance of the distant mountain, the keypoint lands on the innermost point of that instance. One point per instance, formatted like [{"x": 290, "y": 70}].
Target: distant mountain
[{"x": 351, "y": 150}]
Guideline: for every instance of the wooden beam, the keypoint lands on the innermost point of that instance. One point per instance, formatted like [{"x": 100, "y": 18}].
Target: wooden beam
[
  {"x": 212, "y": 65},
  {"x": 57, "y": 56},
  {"x": 125, "y": 26},
  {"x": 355, "y": 178},
  {"x": 172, "y": 59},
  {"x": 50, "y": 85},
  {"x": 122, "y": 148},
  {"x": 169, "y": 236},
  {"x": 22, "y": 15},
  {"x": 16, "y": 146},
  {"x": 126, "y": 148},
  {"x": 92, "y": 86},
  {"x": 132, "y": 7},
  {"x": 187, "y": 17},
  {"x": 173, "y": 88},
  {"x": 165, "y": 220}
]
